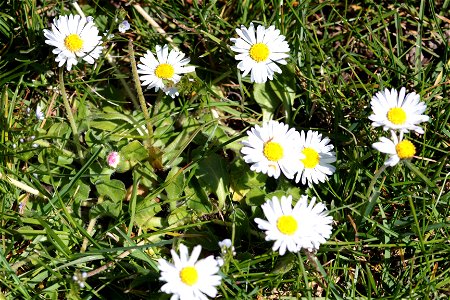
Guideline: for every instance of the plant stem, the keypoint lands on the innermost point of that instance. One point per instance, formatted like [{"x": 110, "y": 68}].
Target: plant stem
[
  {"x": 305, "y": 276},
  {"x": 73, "y": 125},
  {"x": 374, "y": 180},
  {"x": 141, "y": 98}
]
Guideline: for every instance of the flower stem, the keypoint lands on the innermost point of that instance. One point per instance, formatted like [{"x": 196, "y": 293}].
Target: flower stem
[
  {"x": 374, "y": 180},
  {"x": 141, "y": 98},
  {"x": 305, "y": 276},
  {"x": 73, "y": 125}
]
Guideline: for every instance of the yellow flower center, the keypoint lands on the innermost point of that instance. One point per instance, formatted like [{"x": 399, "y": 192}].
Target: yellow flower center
[
  {"x": 259, "y": 52},
  {"x": 273, "y": 151},
  {"x": 189, "y": 275},
  {"x": 311, "y": 158},
  {"x": 164, "y": 71},
  {"x": 73, "y": 42},
  {"x": 396, "y": 115},
  {"x": 405, "y": 149},
  {"x": 287, "y": 225}
]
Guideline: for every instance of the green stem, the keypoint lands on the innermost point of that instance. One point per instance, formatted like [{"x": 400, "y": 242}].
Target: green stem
[
  {"x": 73, "y": 125},
  {"x": 141, "y": 98},
  {"x": 374, "y": 180},
  {"x": 305, "y": 276}
]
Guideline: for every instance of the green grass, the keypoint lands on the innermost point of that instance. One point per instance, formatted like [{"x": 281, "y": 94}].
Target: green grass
[{"x": 389, "y": 241}]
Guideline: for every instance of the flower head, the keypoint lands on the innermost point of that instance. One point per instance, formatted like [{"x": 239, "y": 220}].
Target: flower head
[
  {"x": 163, "y": 71},
  {"x": 259, "y": 52},
  {"x": 271, "y": 149},
  {"x": 303, "y": 226},
  {"x": 80, "y": 278},
  {"x": 315, "y": 165},
  {"x": 397, "y": 149},
  {"x": 74, "y": 37},
  {"x": 39, "y": 113},
  {"x": 227, "y": 247},
  {"x": 398, "y": 112},
  {"x": 113, "y": 159},
  {"x": 188, "y": 277},
  {"x": 124, "y": 26}
]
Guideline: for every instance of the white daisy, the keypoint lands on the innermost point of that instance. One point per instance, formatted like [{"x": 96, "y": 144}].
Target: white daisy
[
  {"x": 260, "y": 52},
  {"x": 74, "y": 37},
  {"x": 397, "y": 111},
  {"x": 397, "y": 149},
  {"x": 304, "y": 226},
  {"x": 271, "y": 149},
  {"x": 315, "y": 166},
  {"x": 189, "y": 278},
  {"x": 163, "y": 71}
]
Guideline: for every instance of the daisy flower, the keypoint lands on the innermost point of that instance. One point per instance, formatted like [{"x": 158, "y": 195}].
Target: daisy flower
[
  {"x": 303, "y": 226},
  {"x": 163, "y": 71},
  {"x": 315, "y": 166},
  {"x": 397, "y": 111},
  {"x": 74, "y": 37},
  {"x": 397, "y": 149},
  {"x": 259, "y": 52},
  {"x": 270, "y": 149},
  {"x": 189, "y": 278}
]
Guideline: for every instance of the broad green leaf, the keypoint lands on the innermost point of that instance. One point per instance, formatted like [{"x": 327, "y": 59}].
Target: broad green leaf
[
  {"x": 283, "y": 86},
  {"x": 255, "y": 197},
  {"x": 242, "y": 179},
  {"x": 106, "y": 208},
  {"x": 178, "y": 217},
  {"x": 59, "y": 130},
  {"x": 212, "y": 172},
  {"x": 266, "y": 99},
  {"x": 113, "y": 189},
  {"x": 146, "y": 209},
  {"x": 241, "y": 222},
  {"x": 134, "y": 152},
  {"x": 175, "y": 184},
  {"x": 196, "y": 197}
]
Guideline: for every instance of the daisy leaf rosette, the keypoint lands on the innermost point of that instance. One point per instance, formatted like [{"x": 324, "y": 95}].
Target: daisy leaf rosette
[
  {"x": 317, "y": 157},
  {"x": 271, "y": 149},
  {"x": 165, "y": 70},
  {"x": 396, "y": 148},
  {"x": 293, "y": 228},
  {"x": 73, "y": 37},
  {"x": 260, "y": 51},
  {"x": 188, "y": 277},
  {"x": 398, "y": 111}
]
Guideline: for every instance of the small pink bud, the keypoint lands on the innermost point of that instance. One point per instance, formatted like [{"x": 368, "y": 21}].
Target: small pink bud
[{"x": 113, "y": 159}]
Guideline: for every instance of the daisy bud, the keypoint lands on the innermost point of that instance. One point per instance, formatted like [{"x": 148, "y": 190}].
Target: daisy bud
[{"x": 113, "y": 159}]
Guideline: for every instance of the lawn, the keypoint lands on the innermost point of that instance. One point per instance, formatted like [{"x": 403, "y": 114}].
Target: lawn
[{"x": 224, "y": 149}]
